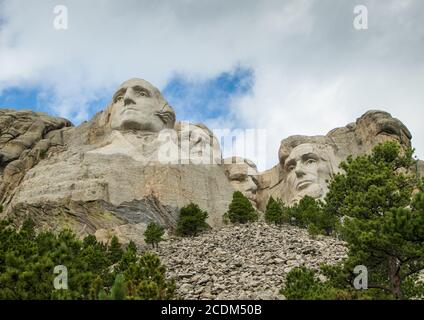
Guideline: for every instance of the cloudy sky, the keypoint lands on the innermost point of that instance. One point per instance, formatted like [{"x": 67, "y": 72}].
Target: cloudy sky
[{"x": 290, "y": 67}]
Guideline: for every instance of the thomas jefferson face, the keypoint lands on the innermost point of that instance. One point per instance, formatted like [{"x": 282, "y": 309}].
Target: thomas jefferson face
[
  {"x": 137, "y": 105},
  {"x": 307, "y": 172},
  {"x": 198, "y": 144}
]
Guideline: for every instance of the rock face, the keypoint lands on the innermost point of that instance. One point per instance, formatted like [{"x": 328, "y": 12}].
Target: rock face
[
  {"x": 25, "y": 138},
  {"x": 307, "y": 163},
  {"x": 243, "y": 176},
  {"x": 244, "y": 262},
  {"x": 134, "y": 163},
  {"x": 128, "y": 156}
]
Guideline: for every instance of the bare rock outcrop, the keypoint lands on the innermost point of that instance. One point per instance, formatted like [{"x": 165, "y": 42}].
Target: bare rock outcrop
[
  {"x": 133, "y": 163},
  {"x": 307, "y": 163}
]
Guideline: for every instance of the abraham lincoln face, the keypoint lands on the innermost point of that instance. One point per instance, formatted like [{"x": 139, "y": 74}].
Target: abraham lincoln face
[{"x": 308, "y": 169}]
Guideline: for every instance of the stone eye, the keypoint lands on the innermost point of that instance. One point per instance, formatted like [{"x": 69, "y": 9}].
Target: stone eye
[
  {"x": 141, "y": 93},
  {"x": 310, "y": 161},
  {"x": 291, "y": 167},
  {"x": 119, "y": 98}
]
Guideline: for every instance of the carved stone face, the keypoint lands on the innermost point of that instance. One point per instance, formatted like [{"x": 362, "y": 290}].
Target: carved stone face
[
  {"x": 242, "y": 176},
  {"x": 308, "y": 168},
  {"x": 198, "y": 144},
  {"x": 138, "y": 105}
]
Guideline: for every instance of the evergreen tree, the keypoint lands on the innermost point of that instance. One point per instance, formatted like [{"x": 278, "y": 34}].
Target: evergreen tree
[
  {"x": 115, "y": 250},
  {"x": 384, "y": 224},
  {"x": 381, "y": 200},
  {"x": 153, "y": 234},
  {"x": 192, "y": 220},
  {"x": 148, "y": 279},
  {"x": 309, "y": 213},
  {"x": 27, "y": 262},
  {"x": 274, "y": 212},
  {"x": 118, "y": 290},
  {"x": 240, "y": 210}
]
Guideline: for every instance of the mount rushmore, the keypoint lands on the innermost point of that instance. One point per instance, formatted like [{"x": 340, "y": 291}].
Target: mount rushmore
[{"x": 133, "y": 163}]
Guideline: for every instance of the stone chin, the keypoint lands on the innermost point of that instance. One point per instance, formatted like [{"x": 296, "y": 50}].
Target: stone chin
[{"x": 314, "y": 190}]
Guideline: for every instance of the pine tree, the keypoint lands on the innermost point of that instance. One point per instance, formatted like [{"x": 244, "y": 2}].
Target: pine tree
[
  {"x": 274, "y": 212},
  {"x": 118, "y": 290},
  {"x": 153, "y": 234},
  {"x": 148, "y": 281},
  {"x": 384, "y": 224},
  {"x": 240, "y": 210},
  {"x": 192, "y": 220},
  {"x": 309, "y": 213},
  {"x": 115, "y": 250}
]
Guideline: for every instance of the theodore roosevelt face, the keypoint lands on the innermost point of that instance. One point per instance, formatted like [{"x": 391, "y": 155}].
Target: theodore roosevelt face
[{"x": 138, "y": 105}]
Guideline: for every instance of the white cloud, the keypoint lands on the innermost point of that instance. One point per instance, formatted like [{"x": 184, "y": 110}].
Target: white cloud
[{"x": 313, "y": 71}]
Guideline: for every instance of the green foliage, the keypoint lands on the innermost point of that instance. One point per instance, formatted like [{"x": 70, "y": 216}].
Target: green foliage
[
  {"x": 303, "y": 284},
  {"x": 115, "y": 250},
  {"x": 95, "y": 270},
  {"x": 148, "y": 279},
  {"x": 309, "y": 213},
  {"x": 153, "y": 234},
  {"x": 240, "y": 210},
  {"x": 384, "y": 221},
  {"x": 381, "y": 201},
  {"x": 192, "y": 220},
  {"x": 372, "y": 185},
  {"x": 118, "y": 291},
  {"x": 274, "y": 212}
]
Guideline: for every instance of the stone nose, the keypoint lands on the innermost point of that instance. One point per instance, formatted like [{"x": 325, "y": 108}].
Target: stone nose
[
  {"x": 251, "y": 186},
  {"x": 299, "y": 172},
  {"x": 129, "y": 97}
]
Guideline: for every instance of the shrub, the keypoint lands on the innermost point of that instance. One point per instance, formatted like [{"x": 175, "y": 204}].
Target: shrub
[
  {"x": 148, "y": 279},
  {"x": 301, "y": 284},
  {"x": 192, "y": 220},
  {"x": 240, "y": 210},
  {"x": 153, "y": 234},
  {"x": 27, "y": 262},
  {"x": 275, "y": 213}
]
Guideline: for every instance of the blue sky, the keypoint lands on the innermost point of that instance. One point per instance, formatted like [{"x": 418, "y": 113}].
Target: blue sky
[
  {"x": 193, "y": 100},
  {"x": 210, "y": 99}
]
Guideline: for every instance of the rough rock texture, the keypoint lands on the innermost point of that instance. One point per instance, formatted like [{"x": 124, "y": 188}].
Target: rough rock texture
[
  {"x": 135, "y": 151},
  {"x": 326, "y": 152},
  {"x": 87, "y": 217},
  {"x": 244, "y": 262},
  {"x": 25, "y": 138},
  {"x": 115, "y": 158}
]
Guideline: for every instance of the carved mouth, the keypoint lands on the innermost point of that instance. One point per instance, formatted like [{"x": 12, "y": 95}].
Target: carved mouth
[
  {"x": 128, "y": 109},
  {"x": 303, "y": 184}
]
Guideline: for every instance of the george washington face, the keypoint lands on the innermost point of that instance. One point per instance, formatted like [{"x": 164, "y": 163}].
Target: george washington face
[{"x": 138, "y": 105}]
